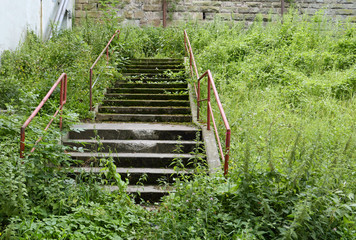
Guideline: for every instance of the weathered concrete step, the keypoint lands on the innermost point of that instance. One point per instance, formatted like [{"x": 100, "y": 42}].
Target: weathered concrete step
[
  {"x": 155, "y": 65},
  {"x": 150, "y": 103},
  {"x": 155, "y": 71},
  {"x": 145, "y": 110},
  {"x": 148, "y": 90},
  {"x": 132, "y": 131},
  {"x": 156, "y": 60},
  {"x": 143, "y": 160},
  {"x": 133, "y": 146},
  {"x": 146, "y": 75},
  {"x": 139, "y": 175},
  {"x": 148, "y": 96},
  {"x": 151, "y": 85},
  {"x": 150, "y": 193},
  {"x": 144, "y": 117},
  {"x": 165, "y": 81}
]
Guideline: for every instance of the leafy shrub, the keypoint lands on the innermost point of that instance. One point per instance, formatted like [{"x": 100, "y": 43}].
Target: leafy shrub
[{"x": 288, "y": 92}]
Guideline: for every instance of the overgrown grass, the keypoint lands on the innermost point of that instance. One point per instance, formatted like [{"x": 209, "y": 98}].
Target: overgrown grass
[{"x": 289, "y": 94}]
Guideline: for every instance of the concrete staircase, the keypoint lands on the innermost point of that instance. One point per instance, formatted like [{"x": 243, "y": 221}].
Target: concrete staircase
[
  {"x": 144, "y": 126},
  {"x": 153, "y": 90}
]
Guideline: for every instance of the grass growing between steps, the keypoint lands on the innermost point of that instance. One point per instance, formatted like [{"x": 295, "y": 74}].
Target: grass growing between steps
[{"x": 289, "y": 92}]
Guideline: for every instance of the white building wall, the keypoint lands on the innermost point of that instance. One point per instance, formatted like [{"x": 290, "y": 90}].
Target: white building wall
[{"x": 18, "y": 16}]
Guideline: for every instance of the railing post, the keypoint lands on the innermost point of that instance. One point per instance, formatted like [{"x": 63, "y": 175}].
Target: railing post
[
  {"x": 22, "y": 142},
  {"x": 282, "y": 10},
  {"x": 209, "y": 104},
  {"x": 164, "y": 9},
  {"x": 63, "y": 98},
  {"x": 107, "y": 54},
  {"x": 185, "y": 44},
  {"x": 198, "y": 100},
  {"x": 90, "y": 89},
  {"x": 227, "y": 155},
  {"x": 61, "y": 101}
]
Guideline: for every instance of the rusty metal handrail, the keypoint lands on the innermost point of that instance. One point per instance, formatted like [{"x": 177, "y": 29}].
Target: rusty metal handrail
[
  {"x": 62, "y": 100},
  {"x": 210, "y": 114},
  {"x": 106, "y": 48}
]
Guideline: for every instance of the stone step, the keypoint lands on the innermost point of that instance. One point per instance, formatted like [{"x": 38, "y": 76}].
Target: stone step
[
  {"x": 154, "y": 66},
  {"x": 133, "y": 146},
  {"x": 143, "y": 160},
  {"x": 138, "y": 175},
  {"x": 156, "y": 60},
  {"x": 145, "y": 110},
  {"x": 143, "y": 117},
  {"x": 132, "y": 131},
  {"x": 149, "y": 103},
  {"x": 151, "y": 80},
  {"x": 151, "y": 85},
  {"x": 154, "y": 70},
  {"x": 149, "y": 90},
  {"x": 146, "y": 75},
  {"x": 148, "y": 96},
  {"x": 148, "y": 193}
]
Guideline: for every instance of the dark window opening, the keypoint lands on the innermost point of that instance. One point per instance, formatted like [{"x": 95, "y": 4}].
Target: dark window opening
[{"x": 204, "y": 16}]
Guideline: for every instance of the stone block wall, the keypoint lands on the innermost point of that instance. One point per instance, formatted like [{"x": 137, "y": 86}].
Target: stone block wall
[{"x": 149, "y": 12}]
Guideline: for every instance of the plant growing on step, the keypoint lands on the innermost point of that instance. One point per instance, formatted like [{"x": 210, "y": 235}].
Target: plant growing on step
[
  {"x": 174, "y": 74},
  {"x": 110, "y": 173},
  {"x": 177, "y": 162},
  {"x": 143, "y": 178},
  {"x": 198, "y": 161}
]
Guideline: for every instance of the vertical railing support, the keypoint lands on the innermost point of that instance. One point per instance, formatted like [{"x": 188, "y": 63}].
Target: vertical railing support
[
  {"x": 90, "y": 89},
  {"x": 227, "y": 154},
  {"x": 198, "y": 101},
  {"x": 282, "y": 10},
  {"x": 22, "y": 142},
  {"x": 209, "y": 103},
  {"x": 62, "y": 99},
  {"x": 164, "y": 8}
]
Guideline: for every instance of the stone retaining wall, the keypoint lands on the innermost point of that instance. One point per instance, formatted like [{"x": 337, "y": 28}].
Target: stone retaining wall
[{"x": 149, "y": 12}]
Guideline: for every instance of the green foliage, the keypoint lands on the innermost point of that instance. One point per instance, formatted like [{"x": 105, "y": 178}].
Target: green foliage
[
  {"x": 36, "y": 191},
  {"x": 151, "y": 42},
  {"x": 114, "y": 219},
  {"x": 252, "y": 206},
  {"x": 289, "y": 94}
]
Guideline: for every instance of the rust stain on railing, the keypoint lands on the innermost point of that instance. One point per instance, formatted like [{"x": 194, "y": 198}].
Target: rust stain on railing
[
  {"x": 210, "y": 114},
  {"x": 106, "y": 49},
  {"x": 63, "y": 99}
]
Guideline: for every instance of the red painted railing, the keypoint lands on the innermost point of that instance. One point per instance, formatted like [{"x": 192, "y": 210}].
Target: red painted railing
[
  {"x": 106, "y": 49},
  {"x": 62, "y": 100},
  {"x": 210, "y": 114}
]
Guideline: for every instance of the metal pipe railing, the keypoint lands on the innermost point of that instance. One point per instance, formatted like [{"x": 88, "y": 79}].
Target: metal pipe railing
[
  {"x": 62, "y": 100},
  {"x": 106, "y": 49},
  {"x": 210, "y": 114}
]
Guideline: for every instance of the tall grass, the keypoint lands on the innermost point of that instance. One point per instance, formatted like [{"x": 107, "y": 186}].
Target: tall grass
[{"x": 289, "y": 94}]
